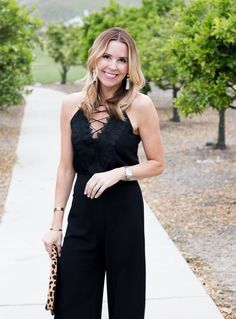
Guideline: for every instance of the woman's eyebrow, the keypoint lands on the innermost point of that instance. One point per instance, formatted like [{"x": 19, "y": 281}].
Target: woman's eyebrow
[{"x": 121, "y": 57}]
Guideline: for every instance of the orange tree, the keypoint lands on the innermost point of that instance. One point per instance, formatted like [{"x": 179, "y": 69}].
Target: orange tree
[
  {"x": 160, "y": 64},
  {"x": 204, "y": 46},
  {"x": 18, "y": 35},
  {"x": 63, "y": 45}
]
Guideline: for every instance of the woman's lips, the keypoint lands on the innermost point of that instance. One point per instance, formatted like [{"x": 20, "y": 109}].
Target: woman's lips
[{"x": 110, "y": 76}]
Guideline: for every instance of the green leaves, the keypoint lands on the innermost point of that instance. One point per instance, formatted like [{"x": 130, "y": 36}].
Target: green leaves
[
  {"x": 205, "y": 51},
  {"x": 18, "y": 35},
  {"x": 160, "y": 7}
]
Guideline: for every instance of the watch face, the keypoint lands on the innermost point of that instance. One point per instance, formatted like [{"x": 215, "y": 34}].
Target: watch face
[{"x": 128, "y": 172}]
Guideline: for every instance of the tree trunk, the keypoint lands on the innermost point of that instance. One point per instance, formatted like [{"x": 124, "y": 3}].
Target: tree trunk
[
  {"x": 64, "y": 74},
  {"x": 176, "y": 117},
  {"x": 221, "y": 130}
]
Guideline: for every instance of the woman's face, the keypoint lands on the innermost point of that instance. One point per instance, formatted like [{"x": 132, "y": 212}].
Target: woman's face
[{"x": 113, "y": 65}]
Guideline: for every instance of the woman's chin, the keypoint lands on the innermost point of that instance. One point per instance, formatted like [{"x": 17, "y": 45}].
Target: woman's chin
[{"x": 110, "y": 84}]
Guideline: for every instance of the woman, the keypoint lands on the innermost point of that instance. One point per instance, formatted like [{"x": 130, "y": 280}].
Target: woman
[{"x": 101, "y": 128}]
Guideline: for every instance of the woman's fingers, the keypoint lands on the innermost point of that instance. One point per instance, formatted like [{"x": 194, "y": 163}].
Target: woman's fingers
[
  {"x": 51, "y": 238},
  {"x": 96, "y": 191},
  {"x": 100, "y": 191},
  {"x": 48, "y": 248},
  {"x": 59, "y": 250},
  {"x": 98, "y": 183},
  {"x": 93, "y": 186}
]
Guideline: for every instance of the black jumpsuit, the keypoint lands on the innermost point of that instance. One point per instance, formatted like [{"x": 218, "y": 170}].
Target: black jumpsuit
[{"x": 105, "y": 234}]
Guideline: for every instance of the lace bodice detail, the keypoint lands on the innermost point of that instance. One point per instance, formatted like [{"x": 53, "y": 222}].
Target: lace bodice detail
[
  {"x": 98, "y": 121},
  {"x": 102, "y": 143}
]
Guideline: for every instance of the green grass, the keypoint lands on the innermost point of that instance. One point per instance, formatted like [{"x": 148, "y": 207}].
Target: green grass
[{"x": 45, "y": 70}]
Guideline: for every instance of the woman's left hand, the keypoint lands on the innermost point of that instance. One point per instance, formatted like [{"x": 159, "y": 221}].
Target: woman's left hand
[{"x": 97, "y": 184}]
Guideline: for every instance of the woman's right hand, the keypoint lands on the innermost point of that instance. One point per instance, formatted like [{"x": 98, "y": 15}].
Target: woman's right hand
[{"x": 50, "y": 238}]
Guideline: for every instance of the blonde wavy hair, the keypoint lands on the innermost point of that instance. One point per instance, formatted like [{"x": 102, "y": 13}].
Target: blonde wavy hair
[{"x": 122, "y": 97}]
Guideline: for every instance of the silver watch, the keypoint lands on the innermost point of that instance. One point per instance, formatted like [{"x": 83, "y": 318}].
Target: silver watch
[{"x": 128, "y": 173}]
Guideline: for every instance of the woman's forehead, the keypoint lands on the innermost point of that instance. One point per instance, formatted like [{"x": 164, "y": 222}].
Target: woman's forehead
[{"x": 117, "y": 49}]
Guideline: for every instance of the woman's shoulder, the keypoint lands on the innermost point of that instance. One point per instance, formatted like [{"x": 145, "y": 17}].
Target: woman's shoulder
[
  {"x": 143, "y": 109},
  {"x": 71, "y": 103},
  {"x": 142, "y": 103},
  {"x": 75, "y": 98}
]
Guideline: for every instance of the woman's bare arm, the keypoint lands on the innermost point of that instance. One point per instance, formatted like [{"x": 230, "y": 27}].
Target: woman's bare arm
[
  {"x": 145, "y": 116},
  {"x": 65, "y": 172}
]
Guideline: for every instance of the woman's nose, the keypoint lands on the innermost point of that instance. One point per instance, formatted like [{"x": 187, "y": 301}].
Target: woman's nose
[{"x": 113, "y": 65}]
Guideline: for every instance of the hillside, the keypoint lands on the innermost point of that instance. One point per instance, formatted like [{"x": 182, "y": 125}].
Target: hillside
[{"x": 61, "y": 10}]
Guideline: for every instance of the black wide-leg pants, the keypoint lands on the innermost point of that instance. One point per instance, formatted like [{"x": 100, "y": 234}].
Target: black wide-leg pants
[{"x": 103, "y": 235}]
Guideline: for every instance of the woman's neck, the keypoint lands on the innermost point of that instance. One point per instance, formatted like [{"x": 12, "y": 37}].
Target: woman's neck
[{"x": 107, "y": 93}]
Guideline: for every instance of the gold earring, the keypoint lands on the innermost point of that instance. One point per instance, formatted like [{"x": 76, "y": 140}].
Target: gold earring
[{"x": 127, "y": 86}]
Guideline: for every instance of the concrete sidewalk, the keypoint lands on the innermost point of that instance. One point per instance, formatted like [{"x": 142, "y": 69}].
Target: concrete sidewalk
[{"x": 173, "y": 292}]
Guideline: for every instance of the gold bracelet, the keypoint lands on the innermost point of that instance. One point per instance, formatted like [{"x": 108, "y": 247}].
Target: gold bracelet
[
  {"x": 58, "y": 209},
  {"x": 56, "y": 229}
]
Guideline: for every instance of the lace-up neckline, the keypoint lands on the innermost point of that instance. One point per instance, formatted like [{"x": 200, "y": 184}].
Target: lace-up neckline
[{"x": 99, "y": 121}]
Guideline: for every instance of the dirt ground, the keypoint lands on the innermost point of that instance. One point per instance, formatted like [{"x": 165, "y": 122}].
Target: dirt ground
[
  {"x": 10, "y": 122},
  {"x": 195, "y": 201},
  {"x": 194, "y": 198}
]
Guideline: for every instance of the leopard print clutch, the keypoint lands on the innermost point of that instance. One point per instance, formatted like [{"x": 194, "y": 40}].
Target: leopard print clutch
[{"x": 52, "y": 280}]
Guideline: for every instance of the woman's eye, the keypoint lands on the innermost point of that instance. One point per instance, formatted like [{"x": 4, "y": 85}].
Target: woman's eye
[
  {"x": 123, "y": 60},
  {"x": 106, "y": 56}
]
